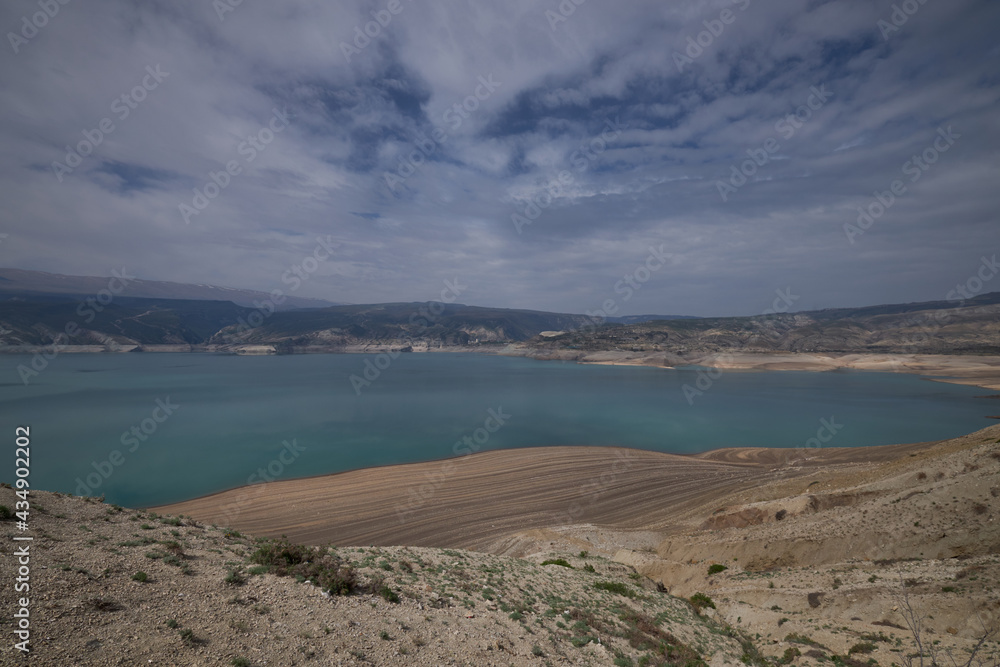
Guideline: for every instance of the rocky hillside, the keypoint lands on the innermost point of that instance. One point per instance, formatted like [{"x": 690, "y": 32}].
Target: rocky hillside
[
  {"x": 112, "y": 586},
  {"x": 960, "y": 327}
]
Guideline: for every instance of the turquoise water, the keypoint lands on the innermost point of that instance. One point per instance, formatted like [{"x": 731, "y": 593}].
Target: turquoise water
[{"x": 235, "y": 412}]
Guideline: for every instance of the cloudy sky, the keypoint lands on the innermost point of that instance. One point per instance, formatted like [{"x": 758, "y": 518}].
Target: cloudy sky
[{"x": 533, "y": 150}]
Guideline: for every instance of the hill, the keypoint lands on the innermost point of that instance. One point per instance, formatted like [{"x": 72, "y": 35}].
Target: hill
[
  {"x": 113, "y": 586},
  {"x": 934, "y": 327},
  {"x": 19, "y": 283}
]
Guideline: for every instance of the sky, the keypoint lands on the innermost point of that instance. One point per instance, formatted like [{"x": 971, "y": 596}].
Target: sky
[{"x": 700, "y": 158}]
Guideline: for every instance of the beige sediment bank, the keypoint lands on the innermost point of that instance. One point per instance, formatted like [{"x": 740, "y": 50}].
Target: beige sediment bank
[{"x": 982, "y": 371}]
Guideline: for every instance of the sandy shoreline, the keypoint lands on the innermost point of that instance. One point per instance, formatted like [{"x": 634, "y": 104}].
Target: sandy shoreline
[{"x": 482, "y": 501}]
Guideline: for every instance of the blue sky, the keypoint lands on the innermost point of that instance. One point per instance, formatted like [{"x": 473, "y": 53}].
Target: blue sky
[{"x": 534, "y": 153}]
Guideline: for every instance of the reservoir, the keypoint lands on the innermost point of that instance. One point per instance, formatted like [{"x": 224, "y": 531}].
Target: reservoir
[{"x": 148, "y": 429}]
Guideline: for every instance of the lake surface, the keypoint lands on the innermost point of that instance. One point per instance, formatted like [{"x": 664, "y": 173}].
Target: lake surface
[{"x": 234, "y": 413}]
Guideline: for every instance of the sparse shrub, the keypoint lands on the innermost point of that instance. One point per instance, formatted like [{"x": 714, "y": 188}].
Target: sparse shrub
[
  {"x": 146, "y": 526},
  {"x": 558, "y": 561},
  {"x": 615, "y": 587},
  {"x": 583, "y": 554},
  {"x": 589, "y": 568},
  {"x": 796, "y": 638},
  {"x": 235, "y": 578},
  {"x": 701, "y": 601},
  {"x": 515, "y": 616},
  {"x": 861, "y": 647},
  {"x": 790, "y": 654},
  {"x": 536, "y": 650},
  {"x": 188, "y": 637},
  {"x": 388, "y": 594},
  {"x": 171, "y": 521},
  {"x": 5, "y": 513},
  {"x": 239, "y": 662},
  {"x": 104, "y": 604},
  {"x": 140, "y": 576},
  {"x": 948, "y": 589},
  {"x": 172, "y": 623},
  {"x": 384, "y": 636},
  {"x": 716, "y": 568}
]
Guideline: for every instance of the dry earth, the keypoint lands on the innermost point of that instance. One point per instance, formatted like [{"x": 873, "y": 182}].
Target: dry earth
[{"x": 206, "y": 596}]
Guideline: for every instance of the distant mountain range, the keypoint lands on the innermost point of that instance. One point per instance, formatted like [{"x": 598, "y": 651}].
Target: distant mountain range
[
  {"x": 18, "y": 282},
  {"x": 37, "y": 308}
]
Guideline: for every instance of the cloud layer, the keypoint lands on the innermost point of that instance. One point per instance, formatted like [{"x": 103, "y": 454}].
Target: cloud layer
[{"x": 534, "y": 150}]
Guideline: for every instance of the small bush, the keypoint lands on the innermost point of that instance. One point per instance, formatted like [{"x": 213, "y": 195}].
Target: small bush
[
  {"x": 516, "y": 616},
  {"x": 701, "y": 601},
  {"x": 5, "y": 513},
  {"x": 235, "y": 578},
  {"x": 536, "y": 650},
  {"x": 790, "y": 654},
  {"x": 861, "y": 647},
  {"x": 140, "y": 576},
  {"x": 615, "y": 587},
  {"x": 384, "y": 636},
  {"x": 172, "y": 623},
  {"x": 388, "y": 594},
  {"x": 188, "y": 637},
  {"x": 239, "y": 662},
  {"x": 716, "y": 568},
  {"x": 796, "y": 638},
  {"x": 589, "y": 568},
  {"x": 558, "y": 561}
]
